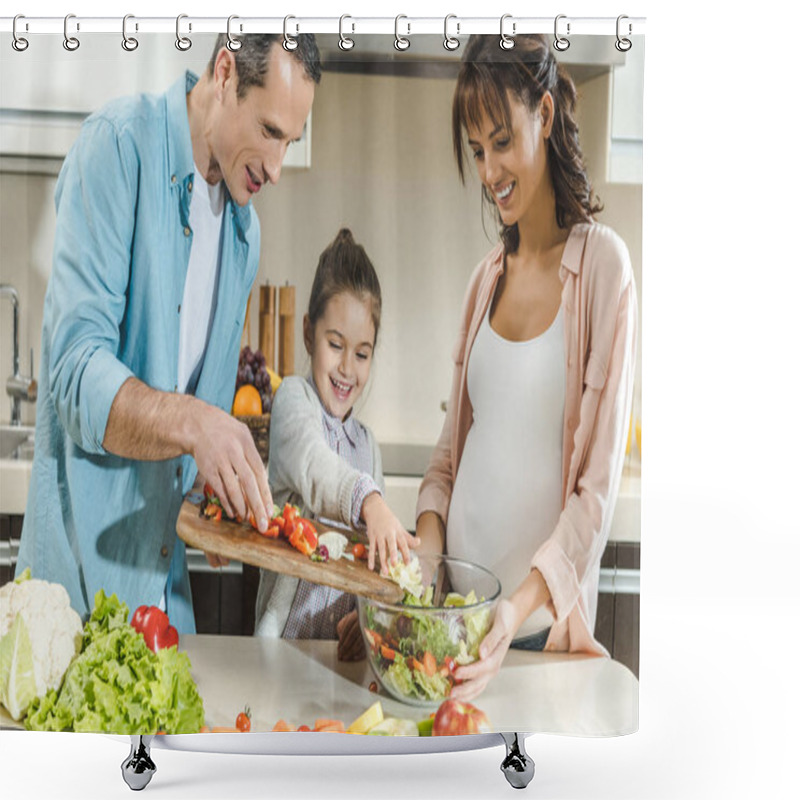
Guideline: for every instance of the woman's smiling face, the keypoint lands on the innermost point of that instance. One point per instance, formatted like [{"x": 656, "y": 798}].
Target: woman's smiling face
[
  {"x": 512, "y": 163},
  {"x": 341, "y": 345}
]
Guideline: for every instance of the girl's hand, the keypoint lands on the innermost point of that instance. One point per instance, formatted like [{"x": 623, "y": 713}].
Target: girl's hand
[
  {"x": 216, "y": 561},
  {"x": 351, "y": 642},
  {"x": 385, "y": 534},
  {"x": 492, "y": 651}
]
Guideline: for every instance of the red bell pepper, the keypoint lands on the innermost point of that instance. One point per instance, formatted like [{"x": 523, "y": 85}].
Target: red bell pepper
[
  {"x": 154, "y": 625},
  {"x": 302, "y": 537}
]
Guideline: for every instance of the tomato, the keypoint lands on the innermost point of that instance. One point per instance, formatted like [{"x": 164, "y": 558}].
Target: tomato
[
  {"x": 303, "y": 728},
  {"x": 359, "y": 551},
  {"x": 243, "y": 720}
]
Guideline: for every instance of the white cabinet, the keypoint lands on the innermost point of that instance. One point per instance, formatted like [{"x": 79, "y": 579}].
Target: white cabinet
[{"x": 46, "y": 92}]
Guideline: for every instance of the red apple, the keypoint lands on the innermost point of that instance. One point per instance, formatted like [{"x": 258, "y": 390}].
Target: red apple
[{"x": 454, "y": 719}]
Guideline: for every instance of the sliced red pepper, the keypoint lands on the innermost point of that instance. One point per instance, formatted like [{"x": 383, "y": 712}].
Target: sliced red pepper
[
  {"x": 309, "y": 532},
  {"x": 272, "y": 532},
  {"x": 429, "y": 663},
  {"x": 299, "y": 540},
  {"x": 217, "y": 515}
]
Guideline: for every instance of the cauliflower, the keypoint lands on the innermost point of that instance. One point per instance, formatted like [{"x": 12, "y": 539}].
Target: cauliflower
[{"x": 40, "y": 634}]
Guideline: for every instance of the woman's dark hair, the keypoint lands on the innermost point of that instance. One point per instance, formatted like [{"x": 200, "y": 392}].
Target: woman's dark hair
[
  {"x": 252, "y": 58},
  {"x": 344, "y": 267},
  {"x": 528, "y": 70}
]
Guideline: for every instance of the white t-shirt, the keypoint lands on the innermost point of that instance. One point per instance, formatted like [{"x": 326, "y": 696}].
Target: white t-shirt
[
  {"x": 507, "y": 495},
  {"x": 200, "y": 289}
]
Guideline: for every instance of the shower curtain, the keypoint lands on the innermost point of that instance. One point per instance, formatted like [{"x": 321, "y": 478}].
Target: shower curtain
[{"x": 440, "y": 371}]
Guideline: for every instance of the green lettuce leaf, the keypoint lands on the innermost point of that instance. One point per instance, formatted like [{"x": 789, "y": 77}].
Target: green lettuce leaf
[{"x": 118, "y": 685}]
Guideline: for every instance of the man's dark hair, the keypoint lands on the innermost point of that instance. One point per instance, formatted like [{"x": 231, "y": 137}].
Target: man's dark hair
[{"x": 252, "y": 57}]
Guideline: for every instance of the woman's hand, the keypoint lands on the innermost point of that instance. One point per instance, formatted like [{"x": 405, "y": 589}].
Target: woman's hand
[
  {"x": 351, "y": 642},
  {"x": 385, "y": 533},
  {"x": 492, "y": 651},
  {"x": 473, "y": 678}
]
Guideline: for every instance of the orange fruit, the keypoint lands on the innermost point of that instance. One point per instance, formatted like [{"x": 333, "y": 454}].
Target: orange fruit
[{"x": 247, "y": 402}]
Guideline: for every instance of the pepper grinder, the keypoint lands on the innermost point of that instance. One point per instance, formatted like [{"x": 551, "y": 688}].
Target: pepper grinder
[
  {"x": 286, "y": 298},
  {"x": 266, "y": 324}
]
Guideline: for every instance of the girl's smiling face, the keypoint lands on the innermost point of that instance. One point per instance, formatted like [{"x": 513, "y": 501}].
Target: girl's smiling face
[{"x": 341, "y": 345}]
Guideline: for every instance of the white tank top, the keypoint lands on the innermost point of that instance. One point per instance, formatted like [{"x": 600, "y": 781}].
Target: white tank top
[{"x": 507, "y": 495}]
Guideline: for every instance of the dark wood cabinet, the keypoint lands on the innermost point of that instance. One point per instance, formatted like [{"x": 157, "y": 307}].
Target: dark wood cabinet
[{"x": 617, "y": 624}]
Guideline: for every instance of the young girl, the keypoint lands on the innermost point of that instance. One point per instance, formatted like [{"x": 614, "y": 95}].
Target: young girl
[{"x": 321, "y": 457}]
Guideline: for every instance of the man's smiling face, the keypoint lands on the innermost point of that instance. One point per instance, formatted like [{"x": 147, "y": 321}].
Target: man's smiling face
[{"x": 248, "y": 138}]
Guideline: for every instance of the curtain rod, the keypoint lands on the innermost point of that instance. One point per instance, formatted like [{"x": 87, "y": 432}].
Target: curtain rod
[{"x": 351, "y": 25}]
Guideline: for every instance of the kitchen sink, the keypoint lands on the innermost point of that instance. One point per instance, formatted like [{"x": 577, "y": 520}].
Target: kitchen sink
[{"x": 16, "y": 443}]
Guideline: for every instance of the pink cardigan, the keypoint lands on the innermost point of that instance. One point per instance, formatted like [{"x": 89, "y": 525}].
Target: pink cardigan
[{"x": 600, "y": 316}]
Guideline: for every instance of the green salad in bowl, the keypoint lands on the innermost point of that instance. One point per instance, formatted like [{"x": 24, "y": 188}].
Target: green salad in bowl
[{"x": 415, "y": 646}]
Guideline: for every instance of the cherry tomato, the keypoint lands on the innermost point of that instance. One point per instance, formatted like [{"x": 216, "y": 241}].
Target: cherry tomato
[
  {"x": 359, "y": 551},
  {"x": 303, "y": 728},
  {"x": 243, "y": 720}
]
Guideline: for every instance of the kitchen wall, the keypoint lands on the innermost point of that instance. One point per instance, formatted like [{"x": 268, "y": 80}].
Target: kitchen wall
[{"x": 382, "y": 165}]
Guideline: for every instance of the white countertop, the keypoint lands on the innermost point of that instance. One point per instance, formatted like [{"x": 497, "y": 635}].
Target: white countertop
[{"x": 302, "y": 680}]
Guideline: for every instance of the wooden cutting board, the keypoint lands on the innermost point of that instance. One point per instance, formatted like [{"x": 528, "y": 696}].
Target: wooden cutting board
[{"x": 239, "y": 541}]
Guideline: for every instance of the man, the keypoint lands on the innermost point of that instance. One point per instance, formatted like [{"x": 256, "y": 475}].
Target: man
[{"x": 156, "y": 249}]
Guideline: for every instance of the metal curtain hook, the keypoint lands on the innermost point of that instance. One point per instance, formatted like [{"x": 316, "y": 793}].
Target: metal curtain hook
[
  {"x": 128, "y": 42},
  {"x": 19, "y": 43},
  {"x": 561, "y": 43},
  {"x": 345, "y": 43},
  {"x": 233, "y": 44},
  {"x": 450, "y": 42},
  {"x": 289, "y": 42},
  {"x": 70, "y": 42},
  {"x": 400, "y": 42},
  {"x": 183, "y": 43},
  {"x": 507, "y": 42},
  {"x": 623, "y": 44}
]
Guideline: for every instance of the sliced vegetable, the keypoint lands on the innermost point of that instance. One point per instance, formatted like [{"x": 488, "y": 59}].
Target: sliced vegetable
[
  {"x": 392, "y": 726},
  {"x": 369, "y": 719},
  {"x": 329, "y": 726}
]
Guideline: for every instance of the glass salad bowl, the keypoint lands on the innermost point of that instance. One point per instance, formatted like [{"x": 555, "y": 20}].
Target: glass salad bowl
[{"x": 414, "y": 646}]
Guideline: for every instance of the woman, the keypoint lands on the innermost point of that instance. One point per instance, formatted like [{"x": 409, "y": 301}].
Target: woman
[{"x": 525, "y": 474}]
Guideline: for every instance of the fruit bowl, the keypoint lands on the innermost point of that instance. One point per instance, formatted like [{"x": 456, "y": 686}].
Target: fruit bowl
[{"x": 413, "y": 647}]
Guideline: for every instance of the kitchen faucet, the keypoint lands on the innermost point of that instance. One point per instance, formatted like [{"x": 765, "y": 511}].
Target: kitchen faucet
[{"x": 18, "y": 387}]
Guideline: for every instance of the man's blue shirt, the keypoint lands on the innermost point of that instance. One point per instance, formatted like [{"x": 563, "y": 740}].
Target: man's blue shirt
[{"x": 112, "y": 311}]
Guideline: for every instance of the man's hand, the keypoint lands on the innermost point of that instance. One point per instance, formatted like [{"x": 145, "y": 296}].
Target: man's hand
[
  {"x": 227, "y": 458},
  {"x": 150, "y": 425}
]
